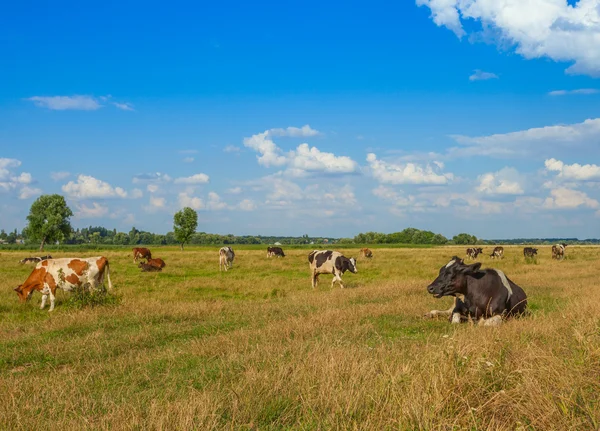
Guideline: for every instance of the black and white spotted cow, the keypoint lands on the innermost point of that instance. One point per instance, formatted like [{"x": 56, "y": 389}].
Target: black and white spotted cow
[
  {"x": 275, "y": 251},
  {"x": 558, "y": 251},
  {"x": 472, "y": 253},
  {"x": 226, "y": 256},
  {"x": 497, "y": 253},
  {"x": 330, "y": 262},
  {"x": 486, "y": 295}
]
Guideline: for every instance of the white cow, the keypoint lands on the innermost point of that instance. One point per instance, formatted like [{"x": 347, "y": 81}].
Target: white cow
[
  {"x": 330, "y": 262},
  {"x": 226, "y": 256}
]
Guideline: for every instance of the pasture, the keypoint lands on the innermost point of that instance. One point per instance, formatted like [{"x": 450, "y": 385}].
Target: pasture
[{"x": 258, "y": 348}]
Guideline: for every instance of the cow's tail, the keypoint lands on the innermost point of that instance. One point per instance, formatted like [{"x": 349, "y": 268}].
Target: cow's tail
[{"x": 108, "y": 276}]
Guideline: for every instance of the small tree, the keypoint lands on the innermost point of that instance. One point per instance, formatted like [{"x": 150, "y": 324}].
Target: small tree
[
  {"x": 48, "y": 220},
  {"x": 185, "y": 223}
]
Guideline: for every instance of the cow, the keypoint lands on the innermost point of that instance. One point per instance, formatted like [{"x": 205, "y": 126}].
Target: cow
[
  {"x": 529, "y": 252},
  {"x": 472, "y": 253},
  {"x": 365, "y": 252},
  {"x": 149, "y": 268},
  {"x": 226, "y": 256},
  {"x": 558, "y": 251},
  {"x": 157, "y": 263},
  {"x": 66, "y": 274},
  {"x": 35, "y": 259},
  {"x": 488, "y": 295},
  {"x": 141, "y": 253},
  {"x": 498, "y": 252},
  {"x": 275, "y": 251},
  {"x": 330, "y": 262}
]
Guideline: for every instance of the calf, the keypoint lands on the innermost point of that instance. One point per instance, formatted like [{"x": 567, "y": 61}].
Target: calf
[
  {"x": 498, "y": 252},
  {"x": 474, "y": 252},
  {"x": 365, "y": 252},
  {"x": 529, "y": 251},
  {"x": 35, "y": 259},
  {"x": 275, "y": 251},
  {"x": 558, "y": 251},
  {"x": 330, "y": 262},
  {"x": 487, "y": 294},
  {"x": 141, "y": 253},
  {"x": 226, "y": 256},
  {"x": 66, "y": 274},
  {"x": 149, "y": 268}
]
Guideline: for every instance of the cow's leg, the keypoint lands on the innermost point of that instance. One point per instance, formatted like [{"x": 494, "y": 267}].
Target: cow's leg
[
  {"x": 44, "y": 298},
  {"x": 52, "y": 299},
  {"x": 315, "y": 280},
  {"x": 492, "y": 321},
  {"x": 436, "y": 313},
  {"x": 336, "y": 277}
]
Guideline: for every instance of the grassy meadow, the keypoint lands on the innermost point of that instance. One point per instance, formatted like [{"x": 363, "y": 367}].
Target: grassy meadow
[{"x": 257, "y": 348}]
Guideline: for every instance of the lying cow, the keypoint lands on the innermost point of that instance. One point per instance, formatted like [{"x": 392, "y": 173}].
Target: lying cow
[
  {"x": 529, "y": 252},
  {"x": 330, "y": 262},
  {"x": 156, "y": 264},
  {"x": 365, "y": 252},
  {"x": 474, "y": 252},
  {"x": 487, "y": 294},
  {"x": 558, "y": 251},
  {"x": 66, "y": 274},
  {"x": 275, "y": 251},
  {"x": 498, "y": 252},
  {"x": 226, "y": 256},
  {"x": 35, "y": 259},
  {"x": 141, "y": 253}
]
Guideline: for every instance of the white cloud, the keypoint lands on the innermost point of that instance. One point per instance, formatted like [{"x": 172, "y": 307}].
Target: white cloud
[
  {"x": 124, "y": 106},
  {"x": 136, "y": 194},
  {"x": 295, "y": 132},
  {"x": 13, "y": 181},
  {"x": 536, "y": 28},
  {"x": 310, "y": 159},
  {"x": 152, "y": 188},
  {"x": 480, "y": 75},
  {"x": 406, "y": 173},
  {"x": 194, "y": 179},
  {"x": 95, "y": 211},
  {"x": 584, "y": 91},
  {"x": 186, "y": 200},
  {"x": 574, "y": 172},
  {"x": 57, "y": 176},
  {"x": 157, "y": 202},
  {"x": 214, "y": 202},
  {"x": 29, "y": 192},
  {"x": 188, "y": 159},
  {"x": 397, "y": 198},
  {"x": 234, "y": 190},
  {"x": 563, "y": 198},
  {"x": 156, "y": 177},
  {"x": 63, "y": 103},
  {"x": 247, "y": 205},
  {"x": 88, "y": 187},
  {"x": 503, "y": 182}
]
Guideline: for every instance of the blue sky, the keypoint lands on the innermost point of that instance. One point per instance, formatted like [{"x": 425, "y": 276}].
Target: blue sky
[{"x": 480, "y": 116}]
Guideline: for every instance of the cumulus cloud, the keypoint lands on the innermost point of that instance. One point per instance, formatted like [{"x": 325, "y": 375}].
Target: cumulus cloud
[
  {"x": 480, "y": 75},
  {"x": 187, "y": 200},
  {"x": 29, "y": 192},
  {"x": 406, "y": 173},
  {"x": 156, "y": 177},
  {"x": 88, "y": 187},
  {"x": 13, "y": 181},
  {"x": 574, "y": 172},
  {"x": 391, "y": 195},
  {"x": 569, "y": 92},
  {"x": 152, "y": 188},
  {"x": 553, "y": 29},
  {"x": 136, "y": 194},
  {"x": 564, "y": 198},
  {"x": 247, "y": 205},
  {"x": 214, "y": 202},
  {"x": 503, "y": 182},
  {"x": 194, "y": 179},
  {"x": 95, "y": 211},
  {"x": 157, "y": 202}
]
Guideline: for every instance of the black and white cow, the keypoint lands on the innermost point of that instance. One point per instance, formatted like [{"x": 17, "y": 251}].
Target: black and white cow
[
  {"x": 275, "y": 251},
  {"x": 529, "y": 251},
  {"x": 474, "y": 252},
  {"x": 498, "y": 252},
  {"x": 330, "y": 262},
  {"x": 226, "y": 256},
  {"x": 488, "y": 295},
  {"x": 35, "y": 259}
]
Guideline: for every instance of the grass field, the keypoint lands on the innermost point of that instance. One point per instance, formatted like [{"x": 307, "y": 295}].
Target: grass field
[{"x": 258, "y": 348}]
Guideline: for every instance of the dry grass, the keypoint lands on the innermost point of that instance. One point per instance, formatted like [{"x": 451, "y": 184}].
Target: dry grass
[{"x": 257, "y": 348}]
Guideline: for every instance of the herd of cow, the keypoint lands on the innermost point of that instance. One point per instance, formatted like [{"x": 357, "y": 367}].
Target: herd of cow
[{"x": 486, "y": 296}]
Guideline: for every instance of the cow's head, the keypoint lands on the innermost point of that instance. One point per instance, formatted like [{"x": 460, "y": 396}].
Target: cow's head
[
  {"x": 452, "y": 278},
  {"x": 534, "y": 251},
  {"x": 479, "y": 250},
  {"x": 349, "y": 265},
  {"x": 24, "y": 294}
]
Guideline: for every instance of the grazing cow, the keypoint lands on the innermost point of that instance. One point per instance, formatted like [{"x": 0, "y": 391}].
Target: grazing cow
[
  {"x": 226, "y": 256},
  {"x": 558, "y": 251},
  {"x": 487, "y": 294},
  {"x": 149, "y": 268},
  {"x": 330, "y": 262},
  {"x": 529, "y": 251},
  {"x": 497, "y": 253},
  {"x": 472, "y": 253},
  {"x": 365, "y": 252},
  {"x": 157, "y": 263},
  {"x": 275, "y": 251},
  {"x": 141, "y": 253},
  {"x": 35, "y": 259},
  {"x": 66, "y": 274}
]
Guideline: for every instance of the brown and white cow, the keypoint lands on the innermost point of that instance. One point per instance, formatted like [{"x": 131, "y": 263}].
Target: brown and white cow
[
  {"x": 156, "y": 264},
  {"x": 498, "y": 252},
  {"x": 472, "y": 253},
  {"x": 365, "y": 252},
  {"x": 486, "y": 295},
  {"x": 275, "y": 251},
  {"x": 226, "y": 256},
  {"x": 330, "y": 262},
  {"x": 34, "y": 259},
  {"x": 65, "y": 274},
  {"x": 141, "y": 253},
  {"x": 558, "y": 251}
]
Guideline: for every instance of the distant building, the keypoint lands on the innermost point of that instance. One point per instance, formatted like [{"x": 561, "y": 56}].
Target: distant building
[{"x": 277, "y": 243}]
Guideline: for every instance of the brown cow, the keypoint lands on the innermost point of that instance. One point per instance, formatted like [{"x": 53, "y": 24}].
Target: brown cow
[
  {"x": 156, "y": 263},
  {"x": 558, "y": 251},
  {"x": 141, "y": 253},
  {"x": 365, "y": 252},
  {"x": 66, "y": 274}
]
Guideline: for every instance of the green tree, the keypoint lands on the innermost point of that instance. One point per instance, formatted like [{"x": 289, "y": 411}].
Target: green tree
[
  {"x": 48, "y": 220},
  {"x": 185, "y": 223},
  {"x": 464, "y": 239}
]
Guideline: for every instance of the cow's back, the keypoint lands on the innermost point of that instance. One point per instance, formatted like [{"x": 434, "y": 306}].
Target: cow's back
[{"x": 69, "y": 272}]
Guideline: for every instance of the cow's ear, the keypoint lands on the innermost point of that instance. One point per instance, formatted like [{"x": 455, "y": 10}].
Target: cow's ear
[{"x": 470, "y": 269}]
